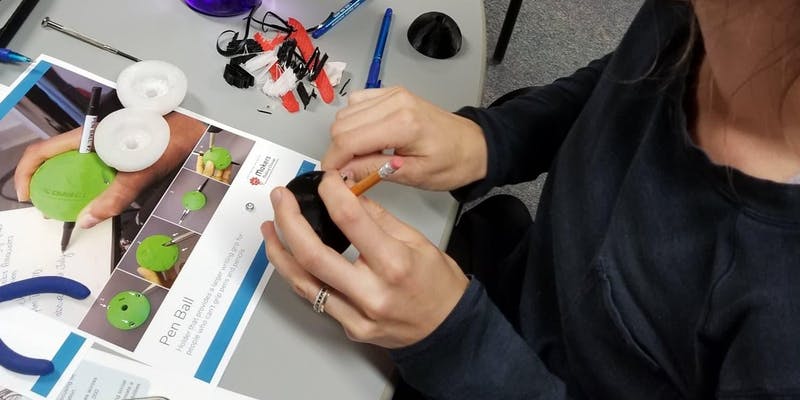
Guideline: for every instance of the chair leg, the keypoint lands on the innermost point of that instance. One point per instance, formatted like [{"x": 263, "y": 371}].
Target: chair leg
[{"x": 506, "y": 30}]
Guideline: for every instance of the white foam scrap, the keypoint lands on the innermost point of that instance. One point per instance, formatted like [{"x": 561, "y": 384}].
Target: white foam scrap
[
  {"x": 334, "y": 70},
  {"x": 285, "y": 83},
  {"x": 259, "y": 66}
]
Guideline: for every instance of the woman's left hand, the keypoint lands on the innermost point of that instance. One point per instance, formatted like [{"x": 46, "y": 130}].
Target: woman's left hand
[{"x": 396, "y": 293}]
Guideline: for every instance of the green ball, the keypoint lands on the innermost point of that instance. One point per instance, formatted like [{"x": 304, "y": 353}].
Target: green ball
[
  {"x": 153, "y": 255},
  {"x": 193, "y": 200},
  {"x": 128, "y": 310},
  {"x": 220, "y": 156},
  {"x": 66, "y": 183}
]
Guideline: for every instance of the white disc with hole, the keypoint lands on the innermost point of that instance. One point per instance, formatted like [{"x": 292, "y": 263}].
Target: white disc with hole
[
  {"x": 152, "y": 84},
  {"x": 131, "y": 139}
]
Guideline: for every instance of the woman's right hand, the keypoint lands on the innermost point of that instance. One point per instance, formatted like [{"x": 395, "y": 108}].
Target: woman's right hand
[{"x": 441, "y": 150}]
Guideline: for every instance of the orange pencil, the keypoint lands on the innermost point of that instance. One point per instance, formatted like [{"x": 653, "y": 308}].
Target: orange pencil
[{"x": 385, "y": 170}]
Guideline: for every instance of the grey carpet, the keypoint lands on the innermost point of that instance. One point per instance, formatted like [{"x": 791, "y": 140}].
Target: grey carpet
[{"x": 551, "y": 39}]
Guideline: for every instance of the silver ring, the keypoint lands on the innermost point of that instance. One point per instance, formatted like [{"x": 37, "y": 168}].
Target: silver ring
[{"x": 319, "y": 302}]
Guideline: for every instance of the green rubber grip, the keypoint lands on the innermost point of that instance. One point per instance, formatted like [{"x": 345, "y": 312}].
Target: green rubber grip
[
  {"x": 153, "y": 255},
  {"x": 63, "y": 185},
  {"x": 194, "y": 200},
  {"x": 219, "y": 156}
]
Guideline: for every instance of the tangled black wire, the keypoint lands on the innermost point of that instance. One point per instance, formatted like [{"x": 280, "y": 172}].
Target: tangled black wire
[{"x": 241, "y": 50}]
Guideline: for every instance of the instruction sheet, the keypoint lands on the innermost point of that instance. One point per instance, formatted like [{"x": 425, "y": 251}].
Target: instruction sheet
[
  {"x": 187, "y": 260},
  {"x": 88, "y": 260},
  {"x": 83, "y": 369}
]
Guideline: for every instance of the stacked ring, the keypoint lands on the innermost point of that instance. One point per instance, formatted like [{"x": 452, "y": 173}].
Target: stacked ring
[{"x": 319, "y": 302}]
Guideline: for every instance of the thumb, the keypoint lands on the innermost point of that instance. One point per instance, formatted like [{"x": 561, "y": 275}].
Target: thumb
[{"x": 111, "y": 202}]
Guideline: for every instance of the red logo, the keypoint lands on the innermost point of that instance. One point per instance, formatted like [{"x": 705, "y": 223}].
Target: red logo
[{"x": 255, "y": 181}]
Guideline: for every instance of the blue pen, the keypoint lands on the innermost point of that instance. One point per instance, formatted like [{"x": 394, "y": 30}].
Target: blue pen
[
  {"x": 373, "y": 79},
  {"x": 9, "y": 56},
  {"x": 338, "y": 16}
]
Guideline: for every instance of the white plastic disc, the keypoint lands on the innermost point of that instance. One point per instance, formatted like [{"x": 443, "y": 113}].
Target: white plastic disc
[
  {"x": 131, "y": 139},
  {"x": 152, "y": 84}
]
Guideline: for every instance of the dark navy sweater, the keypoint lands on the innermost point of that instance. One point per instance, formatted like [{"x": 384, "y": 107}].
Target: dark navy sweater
[{"x": 650, "y": 272}]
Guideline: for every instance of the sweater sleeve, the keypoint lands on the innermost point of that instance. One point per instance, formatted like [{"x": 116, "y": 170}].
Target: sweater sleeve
[
  {"x": 524, "y": 134},
  {"x": 476, "y": 354}
]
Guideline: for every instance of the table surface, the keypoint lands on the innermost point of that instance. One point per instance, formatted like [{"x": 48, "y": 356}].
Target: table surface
[{"x": 286, "y": 350}]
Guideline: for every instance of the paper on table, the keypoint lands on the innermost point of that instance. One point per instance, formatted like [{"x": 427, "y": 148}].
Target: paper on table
[
  {"x": 101, "y": 375},
  {"x": 33, "y": 335},
  {"x": 30, "y": 246},
  {"x": 10, "y": 394},
  {"x": 85, "y": 371}
]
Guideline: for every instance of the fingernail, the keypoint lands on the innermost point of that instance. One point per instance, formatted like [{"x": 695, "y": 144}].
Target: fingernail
[
  {"x": 19, "y": 196},
  {"x": 87, "y": 220},
  {"x": 276, "y": 195}
]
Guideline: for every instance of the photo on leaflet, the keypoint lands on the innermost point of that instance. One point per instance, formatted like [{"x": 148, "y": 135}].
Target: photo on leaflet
[
  {"x": 160, "y": 251},
  {"x": 56, "y": 103},
  {"x": 124, "y": 309},
  {"x": 219, "y": 154},
  {"x": 191, "y": 200}
]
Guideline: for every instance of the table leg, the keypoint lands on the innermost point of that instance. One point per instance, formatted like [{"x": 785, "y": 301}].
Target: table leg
[{"x": 506, "y": 30}]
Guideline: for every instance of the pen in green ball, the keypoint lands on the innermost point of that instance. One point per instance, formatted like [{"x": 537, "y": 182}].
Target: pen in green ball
[{"x": 86, "y": 146}]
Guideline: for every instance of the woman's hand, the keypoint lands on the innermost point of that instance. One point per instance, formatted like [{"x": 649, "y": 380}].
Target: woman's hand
[
  {"x": 184, "y": 133},
  {"x": 396, "y": 293},
  {"x": 442, "y": 151}
]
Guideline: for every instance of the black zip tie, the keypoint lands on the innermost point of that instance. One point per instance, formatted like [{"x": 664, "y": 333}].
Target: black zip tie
[
  {"x": 285, "y": 28},
  {"x": 304, "y": 96},
  {"x": 289, "y": 57},
  {"x": 298, "y": 65},
  {"x": 235, "y": 45},
  {"x": 286, "y": 51},
  {"x": 315, "y": 64},
  {"x": 237, "y": 76},
  {"x": 238, "y": 46},
  {"x": 264, "y": 111},
  {"x": 342, "y": 88}
]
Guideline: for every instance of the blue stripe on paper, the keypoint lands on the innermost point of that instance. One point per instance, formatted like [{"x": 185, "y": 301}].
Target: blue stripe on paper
[
  {"x": 306, "y": 166},
  {"x": 69, "y": 349},
  {"x": 208, "y": 367},
  {"x": 222, "y": 339},
  {"x": 22, "y": 89}
]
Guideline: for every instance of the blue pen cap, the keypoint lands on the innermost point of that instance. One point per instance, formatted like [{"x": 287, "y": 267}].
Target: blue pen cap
[{"x": 223, "y": 8}]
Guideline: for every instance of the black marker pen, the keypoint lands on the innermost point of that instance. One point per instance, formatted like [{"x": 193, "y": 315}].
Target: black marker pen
[
  {"x": 90, "y": 122},
  {"x": 86, "y": 146}
]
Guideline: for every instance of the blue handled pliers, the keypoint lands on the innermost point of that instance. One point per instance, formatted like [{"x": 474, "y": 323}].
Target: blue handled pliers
[{"x": 14, "y": 361}]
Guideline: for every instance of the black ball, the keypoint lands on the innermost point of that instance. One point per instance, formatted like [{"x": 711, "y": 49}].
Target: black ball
[
  {"x": 304, "y": 187},
  {"x": 435, "y": 35}
]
